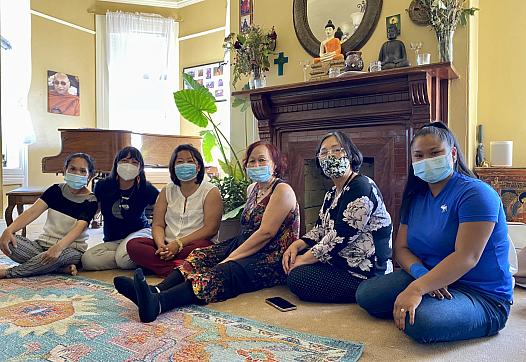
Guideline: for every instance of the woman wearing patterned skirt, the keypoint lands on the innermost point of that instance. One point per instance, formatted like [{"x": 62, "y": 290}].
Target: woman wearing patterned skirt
[{"x": 246, "y": 263}]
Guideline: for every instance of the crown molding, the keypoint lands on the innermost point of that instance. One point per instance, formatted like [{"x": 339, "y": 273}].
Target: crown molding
[{"x": 172, "y": 4}]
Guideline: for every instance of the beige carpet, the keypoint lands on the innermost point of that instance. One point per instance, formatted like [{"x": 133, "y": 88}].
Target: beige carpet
[{"x": 383, "y": 342}]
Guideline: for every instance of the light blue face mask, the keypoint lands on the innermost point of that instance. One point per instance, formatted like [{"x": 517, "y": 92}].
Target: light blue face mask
[
  {"x": 75, "y": 181},
  {"x": 186, "y": 171},
  {"x": 433, "y": 170},
  {"x": 259, "y": 174}
]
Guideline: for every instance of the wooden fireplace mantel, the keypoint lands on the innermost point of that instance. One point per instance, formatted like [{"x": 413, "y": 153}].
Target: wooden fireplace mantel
[{"x": 378, "y": 110}]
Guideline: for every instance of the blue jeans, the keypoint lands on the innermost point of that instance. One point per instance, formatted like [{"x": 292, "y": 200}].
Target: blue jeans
[{"x": 470, "y": 314}]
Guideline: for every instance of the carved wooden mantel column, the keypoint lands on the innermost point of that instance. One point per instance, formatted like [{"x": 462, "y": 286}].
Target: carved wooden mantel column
[{"x": 378, "y": 110}]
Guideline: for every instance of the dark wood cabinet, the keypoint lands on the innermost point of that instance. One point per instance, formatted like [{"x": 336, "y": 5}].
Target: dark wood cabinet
[{"x": 510, "y": 183}]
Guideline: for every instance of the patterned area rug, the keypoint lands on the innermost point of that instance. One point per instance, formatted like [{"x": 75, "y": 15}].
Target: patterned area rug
[{"x": 59, "y": 318}]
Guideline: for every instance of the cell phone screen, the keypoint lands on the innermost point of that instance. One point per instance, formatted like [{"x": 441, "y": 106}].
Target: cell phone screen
[{"x": 280, "y": 303}]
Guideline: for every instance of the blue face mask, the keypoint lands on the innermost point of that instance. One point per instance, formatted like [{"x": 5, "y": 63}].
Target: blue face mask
[
  {"x": 259, "y": 174},
  {"x": 433, "y": 170},
  {"x": 186, "y": 171},
  {"x": 75, "y": 181}
]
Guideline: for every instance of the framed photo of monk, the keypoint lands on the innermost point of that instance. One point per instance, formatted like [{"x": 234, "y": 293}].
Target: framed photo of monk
[{"x": 63, "y": 93}]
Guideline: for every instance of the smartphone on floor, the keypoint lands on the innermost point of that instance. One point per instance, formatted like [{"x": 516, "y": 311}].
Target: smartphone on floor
[{"x": 280, "y": 304}]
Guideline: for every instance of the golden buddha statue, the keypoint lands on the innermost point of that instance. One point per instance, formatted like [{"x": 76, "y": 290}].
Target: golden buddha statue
[{"x": 331, "y": 47}]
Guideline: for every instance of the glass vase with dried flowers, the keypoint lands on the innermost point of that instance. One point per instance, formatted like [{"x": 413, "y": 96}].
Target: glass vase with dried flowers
[
  {"x": 252, "y": 49},
  {"x": 444, "y": 17}
]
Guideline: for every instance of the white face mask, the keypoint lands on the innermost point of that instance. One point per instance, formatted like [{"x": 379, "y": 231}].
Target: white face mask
[{"x": 127, "y": 171}]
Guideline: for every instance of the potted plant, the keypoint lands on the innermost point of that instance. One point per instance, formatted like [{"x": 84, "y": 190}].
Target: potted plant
[
  {"x": 444, "y": 17},
  {"x": 252, "y": 49},
  {"x": 196, "y": 105}
]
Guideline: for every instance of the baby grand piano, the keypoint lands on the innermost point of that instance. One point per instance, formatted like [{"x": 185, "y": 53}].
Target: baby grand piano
[{"x": 103, "y": 144}]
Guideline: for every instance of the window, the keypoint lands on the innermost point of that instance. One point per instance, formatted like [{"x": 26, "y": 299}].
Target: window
[
  {"x": 137, "y": 56},
  {"x": 15, "y": 80}
]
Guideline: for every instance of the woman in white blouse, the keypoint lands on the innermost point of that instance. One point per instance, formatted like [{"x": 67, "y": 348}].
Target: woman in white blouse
[{"x": 187, "y": 215}]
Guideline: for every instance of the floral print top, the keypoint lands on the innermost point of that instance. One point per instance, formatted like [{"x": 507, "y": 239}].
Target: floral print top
[
  {"x": 353, "y": 230},
  {"x": 288, "y": 232}
]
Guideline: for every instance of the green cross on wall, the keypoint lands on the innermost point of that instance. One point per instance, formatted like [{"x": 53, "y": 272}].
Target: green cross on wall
[{"x": 281, "y": 60}]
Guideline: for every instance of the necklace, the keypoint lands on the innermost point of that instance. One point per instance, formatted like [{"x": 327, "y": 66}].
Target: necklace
[
  {"x": 351, "y": 176},
  {"x": 263, "y": 191}
]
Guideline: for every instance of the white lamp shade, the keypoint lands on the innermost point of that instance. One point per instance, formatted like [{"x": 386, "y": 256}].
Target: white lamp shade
[{"x": 501, "y": 153}]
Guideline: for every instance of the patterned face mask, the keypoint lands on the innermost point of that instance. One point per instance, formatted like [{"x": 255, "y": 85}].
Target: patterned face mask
[{"x": 334, "y": 167}]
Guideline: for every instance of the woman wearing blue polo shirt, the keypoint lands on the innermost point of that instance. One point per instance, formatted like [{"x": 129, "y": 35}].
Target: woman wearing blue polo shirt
[{"x": 453, "y": 247}]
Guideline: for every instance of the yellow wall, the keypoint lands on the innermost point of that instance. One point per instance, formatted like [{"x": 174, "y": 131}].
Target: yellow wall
[
  {"x": 501, "y": 101},
  {"x": 472, "y": 84},
  {"x": 266, "y": 16},
  {"x": 57, "y": 47},
  {"x": 61, "y": 48},
  {"x": 203, "y": 16}
]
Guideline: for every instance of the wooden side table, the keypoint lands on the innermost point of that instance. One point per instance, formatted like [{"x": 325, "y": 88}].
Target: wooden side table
[
  {"x": 19, "y": 197},
  {"x": 510, "y": 183}
]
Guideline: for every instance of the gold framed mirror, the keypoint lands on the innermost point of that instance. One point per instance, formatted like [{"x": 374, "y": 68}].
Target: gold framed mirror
[{"x": 310, "y": 17}]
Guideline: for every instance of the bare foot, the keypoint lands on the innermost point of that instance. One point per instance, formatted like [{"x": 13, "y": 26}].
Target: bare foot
[
  {"x": 70, "y": 269},
  {"x": 3, "y": 272}
]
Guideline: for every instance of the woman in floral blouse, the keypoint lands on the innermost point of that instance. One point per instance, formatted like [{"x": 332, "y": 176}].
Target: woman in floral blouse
[{"x": 351, "y": 240}]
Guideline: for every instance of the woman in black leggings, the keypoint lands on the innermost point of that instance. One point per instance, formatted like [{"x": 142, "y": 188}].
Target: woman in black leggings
[{"x": 351, "y": 240}]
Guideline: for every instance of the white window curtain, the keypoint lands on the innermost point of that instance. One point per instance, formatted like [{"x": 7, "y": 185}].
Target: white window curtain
[
  {"x": 15, "y": 80},
  {"x": 142, "y": 61}
]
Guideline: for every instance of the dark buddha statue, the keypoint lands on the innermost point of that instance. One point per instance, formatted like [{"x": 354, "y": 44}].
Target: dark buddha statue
[{"x": 392, "y": 54}]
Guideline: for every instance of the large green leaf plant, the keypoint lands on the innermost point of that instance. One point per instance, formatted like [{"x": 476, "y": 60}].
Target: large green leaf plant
[{"x": 196, "y": 104}]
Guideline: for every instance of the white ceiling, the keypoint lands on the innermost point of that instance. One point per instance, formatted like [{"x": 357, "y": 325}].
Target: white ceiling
[{"x": 173, "y": 4}]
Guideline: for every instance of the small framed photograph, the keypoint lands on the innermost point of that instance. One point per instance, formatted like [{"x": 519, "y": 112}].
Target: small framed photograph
[
  {"x": 63, "y": 93},
  {"x": 246, "y": 14},
  {"x": 246, "y": 7},
  {"x": 245, "y": 22},
  {"x": 210, "y": 76},
  {"x": 395, "y": 20}
]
